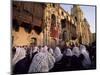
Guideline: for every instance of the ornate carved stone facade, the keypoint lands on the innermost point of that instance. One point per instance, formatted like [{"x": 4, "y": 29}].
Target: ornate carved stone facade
[
  {"x": 61, "y": 26},
  {"x": 83, "y": 28},
  {"x": 47, "y": 24}
]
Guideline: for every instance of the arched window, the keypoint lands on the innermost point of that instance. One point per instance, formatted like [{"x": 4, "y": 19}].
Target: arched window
[
  {"x": 64, "y": 35},
  {"x": 63, "y": 23},
  {"x": 15, "y": 25},
  {"x": 34, "y": 41},
  {"x": 75, "y": 18},
  {"x": 62, "y": 13},
  {"x": 53, "y": 20},
  {"x": 53, "y": 5}
]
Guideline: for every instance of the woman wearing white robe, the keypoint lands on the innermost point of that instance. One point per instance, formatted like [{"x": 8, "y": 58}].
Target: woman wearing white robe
[
  {"x": 86, "y": 61},
  {"x": 57, "y": 54},
  {"x": 51, "y": 51},
  {"x": 20, "y": 54},
  {"x": 36, "y": 49},
  {"x": 42, "y": 61},
  {"x": 66, "y": 60},
  {"x": 68, "y": 52},
  {"x": 75, "y": 61},
  {"x": 76, "y": 51},
  {"x": 33, "y": 50}
]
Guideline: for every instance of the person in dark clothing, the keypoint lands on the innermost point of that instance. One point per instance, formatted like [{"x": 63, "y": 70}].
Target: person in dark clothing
[
  {"x": 75, "y": 61},
  {"x": 66, "y": 60},
  {"x": 81, "y": 58},
  {"x": 23, "y": 65},
  {"x": 65, "y": 63}
]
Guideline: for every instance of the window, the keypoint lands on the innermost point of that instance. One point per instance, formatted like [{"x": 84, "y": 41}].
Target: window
[
  {"x": 75, "y": 18},
  {"x": 63, "y": 23},
  {"x": 53, "y": 5},
  {"x": 53, "y": 20},
  {"x": 15, "y": 25},
  {"x": 62, "y": 13},
  {"x": 64, "y": 35},
  {"x": 33, "y": 40}
]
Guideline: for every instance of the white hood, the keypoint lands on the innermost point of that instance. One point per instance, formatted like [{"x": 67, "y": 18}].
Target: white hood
[
  {"x": 57, "y": 54},
  {"x": 76, "y": 51},
  {"x": 20, "y": 54},
  {"x": 86, "y": 62}
]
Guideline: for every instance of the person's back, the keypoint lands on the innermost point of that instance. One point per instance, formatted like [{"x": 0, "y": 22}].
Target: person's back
[
  {"x": 22, "y": 66},
  {"x": 42, "y": 61},
  {"x": 75, "y": 63}
]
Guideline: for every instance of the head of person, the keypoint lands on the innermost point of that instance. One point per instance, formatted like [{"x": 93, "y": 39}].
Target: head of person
[
  {"x": 84, "y": 51},
  {"x": 45, "y": 48},
  {"x": 20, "y": 54},
  {"x": 82, "y": 48},
  {"x": 35, "y": 49},
  {"x": 68, "y": 52},
  {"x": 76, "y": 51},
  {"x": 57, "y": 54}
]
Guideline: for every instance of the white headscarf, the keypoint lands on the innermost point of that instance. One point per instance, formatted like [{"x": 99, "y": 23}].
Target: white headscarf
[
  {"x": 20, "y": 54},
  {"x": 42, "y": 61},
  {"x": 57, "y": 54},
  {"x": 50, "y": 58},
  {"x": 86, "y": 62},
  {"x": 43, "y": 49},
  {"x": 76, "y": 51},
  {"x": 36, "y": 49},
  {"x": 51, "y": 51},
  {"x": 68, "y": 52},
  {"x": 39, "y": 63}
]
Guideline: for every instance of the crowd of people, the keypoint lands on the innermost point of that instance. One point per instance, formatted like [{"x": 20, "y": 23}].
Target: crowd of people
[{"x": 37, "y": 59}]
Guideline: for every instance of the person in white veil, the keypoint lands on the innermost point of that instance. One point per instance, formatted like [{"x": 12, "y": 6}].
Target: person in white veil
[
  {"x": 42, "y": 61},
  {"x": 68, "y": 52},
  {"x": 36, "y": 49},
  {"x": 75, "y": 51},
  {"x": 66, "y": 60},
  {"x": 75, "y": 61},
  {"x": 86, "y": 61},
  {"x": 50, "y": 51},
  {"x": 57, "y": 54},
  {"x": 20, "y": 54}
]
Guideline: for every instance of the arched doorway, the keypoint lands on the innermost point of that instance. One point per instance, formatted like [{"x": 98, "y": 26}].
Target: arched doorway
[
  {"x": 64, "y": 36},
  {"x": 34, "y": 41},
  {"x": 53, "y": 20},
  {"x": 63, "y": 23}
]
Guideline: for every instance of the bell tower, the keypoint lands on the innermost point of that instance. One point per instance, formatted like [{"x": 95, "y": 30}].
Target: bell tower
[{"x": 77, "y": 13}]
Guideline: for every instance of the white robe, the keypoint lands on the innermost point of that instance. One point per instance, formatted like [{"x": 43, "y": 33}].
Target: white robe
[
  {"x": 57, "y": 54},
  {"x": 68, "y": 52},
  {"x": 86, "y": 62},
  {"x": 76, "y": 51},
  {"x": 51, "y": 51},
  {"x": 42, "y": 61},
  {"x": 20, "y": 54},
  {"x": 36, "y": 49}
]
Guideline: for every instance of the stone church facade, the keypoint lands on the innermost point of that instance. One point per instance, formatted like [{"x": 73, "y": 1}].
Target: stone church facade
[{"x": 47, "y": 24}]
